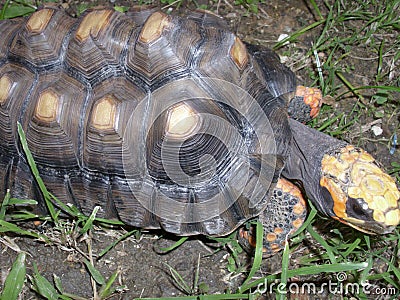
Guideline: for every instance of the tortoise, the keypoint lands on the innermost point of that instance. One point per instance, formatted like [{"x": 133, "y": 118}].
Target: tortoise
[{"x": 173, "y": 122}]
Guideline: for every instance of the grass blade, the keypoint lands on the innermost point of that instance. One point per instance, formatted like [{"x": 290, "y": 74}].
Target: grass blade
[
  {"x": 257, "y": 256},
  {"x": 15, "y": 279},
  {"x": 9, "y": 227},
  {"x": 293, "y": 36},
  {"x": 35, "y": 172},
  {"x": 4, "y": 205},
  {"x": 58, "y": 283},
  {"x": 180, "y": 282},
  {"x": 95, "y": 273},
  {"x": 174, "y": 246},
  {"x": 322, "y": 241},
  {"x": 16, "y": 201},
  {"x": 106, "y": 290},
  {"x": 112, "y": 245},
  {"x": 89, "y": 222},
  {"x": 43, "y": 286}
]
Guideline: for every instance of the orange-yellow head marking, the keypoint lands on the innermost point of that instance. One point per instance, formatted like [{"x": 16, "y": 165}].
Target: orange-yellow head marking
[{"x": 364, "y": 196}]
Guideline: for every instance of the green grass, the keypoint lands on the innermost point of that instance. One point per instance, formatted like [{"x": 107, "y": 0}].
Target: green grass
[{"x": 347, "y": 35}]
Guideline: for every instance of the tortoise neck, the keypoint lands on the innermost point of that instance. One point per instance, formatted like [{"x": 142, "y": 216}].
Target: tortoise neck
[{"x": 307, "y": 149}]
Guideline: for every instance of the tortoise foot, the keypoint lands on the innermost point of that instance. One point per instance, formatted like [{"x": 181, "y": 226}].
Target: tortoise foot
[
  {"x": 284, "y": 214},
  {"x": 306, "y": 104}
]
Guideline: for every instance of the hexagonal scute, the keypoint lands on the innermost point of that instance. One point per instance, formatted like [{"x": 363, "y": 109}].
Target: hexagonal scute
[
  {"x": 223, "y": 55},
  {"x": 95, "y": 47},
  {"x": 15, "y": 84},
  {"x": 40, "y": 40},
  {"x": 52, "y": 120},
  {"x": 109, "y": 109},
  {"x": 164, "y": 49}
]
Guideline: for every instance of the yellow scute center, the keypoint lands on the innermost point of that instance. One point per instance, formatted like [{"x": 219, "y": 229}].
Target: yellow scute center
[
  {"x": 39, "y": 20},
  {"x": 182, "y": 120},
  {"x": 104, "y": 113},
  {"x": 92, "y": 24},
  {"x": 47, "y": 106},
  {"x": 154, "y": 27},
  {"x": 239, "y": 53},
  {"x": 5, "y": 88}
]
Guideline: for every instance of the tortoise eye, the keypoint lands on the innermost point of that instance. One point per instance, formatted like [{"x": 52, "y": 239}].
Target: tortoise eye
[{"x": 356, "y": 210}]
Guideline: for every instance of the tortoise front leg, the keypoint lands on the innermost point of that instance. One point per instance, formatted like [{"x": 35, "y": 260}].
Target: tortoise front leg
[
  {"x": 284, "y": 214},
  {"x": 303, "y": 103},
  {"x": 306, "y": 104}
]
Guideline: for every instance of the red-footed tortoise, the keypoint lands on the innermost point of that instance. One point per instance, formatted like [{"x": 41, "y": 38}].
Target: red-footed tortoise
[{"x": 174, "y": 123}]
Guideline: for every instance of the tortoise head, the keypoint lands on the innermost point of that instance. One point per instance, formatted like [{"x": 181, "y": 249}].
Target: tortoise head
[
  {"x": 343, "y": 181},
  {"x": 357, "y": 192}
]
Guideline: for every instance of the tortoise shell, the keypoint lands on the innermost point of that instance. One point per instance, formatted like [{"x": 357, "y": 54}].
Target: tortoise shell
[{"x": 162, "y": 121}]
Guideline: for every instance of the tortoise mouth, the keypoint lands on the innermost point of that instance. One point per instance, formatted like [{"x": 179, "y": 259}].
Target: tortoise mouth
[{"x": 366, "y": 226}]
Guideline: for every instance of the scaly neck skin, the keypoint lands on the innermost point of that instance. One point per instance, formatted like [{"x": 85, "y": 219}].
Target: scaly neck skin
[{"x": 308, "y": 147}]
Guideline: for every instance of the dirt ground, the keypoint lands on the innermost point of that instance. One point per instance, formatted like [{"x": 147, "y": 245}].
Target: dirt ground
[{"x": 143, "y": 270}]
